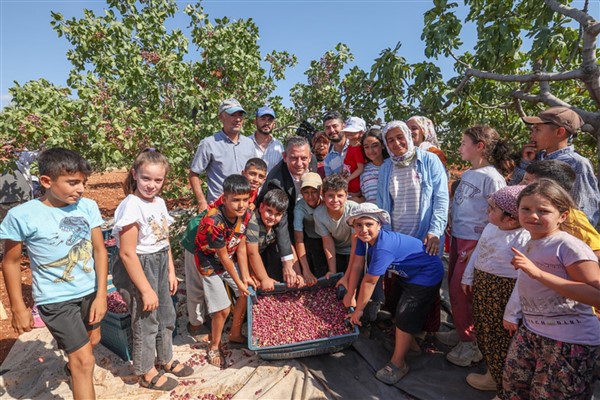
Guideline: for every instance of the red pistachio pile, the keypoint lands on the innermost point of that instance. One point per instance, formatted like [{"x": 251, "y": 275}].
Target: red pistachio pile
[
  {"x": 298, "y": 317},
  {"x": 116, "y": 303}
]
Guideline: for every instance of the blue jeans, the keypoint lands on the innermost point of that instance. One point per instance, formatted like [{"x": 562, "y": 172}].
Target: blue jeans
[{"x": 152, "y": 331}]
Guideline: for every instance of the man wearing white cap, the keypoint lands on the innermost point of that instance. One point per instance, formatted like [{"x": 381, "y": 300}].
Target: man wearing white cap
[
  {"x": 269, "y": 149},
  {"x": 222, "y": 154}
]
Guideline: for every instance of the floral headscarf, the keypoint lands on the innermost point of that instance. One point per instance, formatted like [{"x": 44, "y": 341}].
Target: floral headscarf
[
  {"x": 428, "y": 131},
  {"x": 405, "y": 159}
]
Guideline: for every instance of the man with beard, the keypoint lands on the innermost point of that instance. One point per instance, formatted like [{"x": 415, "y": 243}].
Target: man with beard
[
  {"x": 333, "y": 125},
  {"x": 269, "y": 149}
]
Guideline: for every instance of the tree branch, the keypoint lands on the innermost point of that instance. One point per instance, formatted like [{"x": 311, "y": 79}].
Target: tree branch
[
  {"x": 552, "y": 101},
  {"x": 535, "y": 77}
]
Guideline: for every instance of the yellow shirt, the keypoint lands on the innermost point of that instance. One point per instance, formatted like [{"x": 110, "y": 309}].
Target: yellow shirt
[{"x": 579, "y": 226}]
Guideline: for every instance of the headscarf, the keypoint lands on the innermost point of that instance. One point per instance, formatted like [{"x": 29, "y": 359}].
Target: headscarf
[
  {"x": 428, "y": 132},
  {"x": 405, "y": 159}
]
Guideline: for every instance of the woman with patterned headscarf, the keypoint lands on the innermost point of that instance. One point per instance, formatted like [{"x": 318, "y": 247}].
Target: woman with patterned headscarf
[{"x": 424, "y": 136}]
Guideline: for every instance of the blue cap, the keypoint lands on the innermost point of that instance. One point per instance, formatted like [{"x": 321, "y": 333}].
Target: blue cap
[{"x": 265, "y": 111}]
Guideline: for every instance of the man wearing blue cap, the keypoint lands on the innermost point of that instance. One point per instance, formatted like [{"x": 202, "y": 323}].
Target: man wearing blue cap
[
  {"x": 222, "y": 154},
  {"x": 269, "y": 149}
]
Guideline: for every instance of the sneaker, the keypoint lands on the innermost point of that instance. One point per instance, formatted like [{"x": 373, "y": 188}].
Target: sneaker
[
  {"x": 390, "y": 374},
  {"x": 482, "y": 381},
  {"x": 464, "y": 354},
  {"x": 449, "y": 338}
]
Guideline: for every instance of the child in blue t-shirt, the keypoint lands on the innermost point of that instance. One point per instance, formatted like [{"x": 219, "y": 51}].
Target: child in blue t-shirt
[
  {"x": 421, "y": 275},
  {"x": 68, "y": 260}
]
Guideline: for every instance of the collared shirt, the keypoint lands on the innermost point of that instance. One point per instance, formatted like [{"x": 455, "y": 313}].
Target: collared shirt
[
  {"x": 257, "y": 233},
  {"x": 585, "y": 188},
  {"x": 272, "y": 155},
  {"x": 220, "y": 157},
  {"x": 334, "y": 160}
]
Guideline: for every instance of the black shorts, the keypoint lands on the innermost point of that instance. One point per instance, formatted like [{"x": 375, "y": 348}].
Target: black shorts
[
  {"x": 67, "y": 321},
  {"x": 415, "y": 303}
]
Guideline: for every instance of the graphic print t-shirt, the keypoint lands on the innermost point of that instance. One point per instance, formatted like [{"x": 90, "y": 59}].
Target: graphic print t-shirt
[{"x": 59, "y": 243}]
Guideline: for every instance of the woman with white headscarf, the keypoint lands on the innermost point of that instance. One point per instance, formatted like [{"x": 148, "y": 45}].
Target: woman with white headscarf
[
  {"x": 413, "y": 188},
  {"x": 424, "y": 136}
]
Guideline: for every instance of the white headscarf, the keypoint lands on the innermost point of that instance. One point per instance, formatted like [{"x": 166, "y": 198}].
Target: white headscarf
[
  {"x": 405, "y": 159},
  {"x": 430, "y": 137}
]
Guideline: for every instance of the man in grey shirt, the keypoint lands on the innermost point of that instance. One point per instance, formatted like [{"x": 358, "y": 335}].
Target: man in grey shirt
[{"x": 220, "y": 155}]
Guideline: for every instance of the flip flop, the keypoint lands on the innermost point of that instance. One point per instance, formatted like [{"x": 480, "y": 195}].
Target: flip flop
[
  {"x": 182, "y": 373},
  {"x": 213, "y": 355}
]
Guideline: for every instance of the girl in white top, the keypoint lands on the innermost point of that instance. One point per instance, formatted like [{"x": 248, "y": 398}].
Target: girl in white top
[
  {"x": 145, "y": 273},
  {"x": 481, "y": 147},
  {"x": 491, "y": 278},
  {"x": 555, "y": 353}
]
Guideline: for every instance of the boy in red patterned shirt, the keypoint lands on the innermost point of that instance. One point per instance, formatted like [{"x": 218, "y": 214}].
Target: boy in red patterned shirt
[{"x": 221, "y": 257}]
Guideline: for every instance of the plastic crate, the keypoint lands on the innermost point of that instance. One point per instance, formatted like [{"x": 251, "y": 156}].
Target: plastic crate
[
  {"x": 116, "y": 334},
  {"x": 300, "y": 349}
]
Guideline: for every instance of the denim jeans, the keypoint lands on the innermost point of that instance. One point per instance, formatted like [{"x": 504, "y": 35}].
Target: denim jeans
[{"x": 152, "y": 331}]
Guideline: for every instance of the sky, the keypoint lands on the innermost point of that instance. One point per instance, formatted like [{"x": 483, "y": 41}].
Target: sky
[{"x": 30, "y": 49}]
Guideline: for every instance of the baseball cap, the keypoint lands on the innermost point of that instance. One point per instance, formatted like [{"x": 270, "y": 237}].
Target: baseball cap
[
  {"x": 355, "y": 124},
  {"x": 311, "y": 179},
  {"x": 231, "y": 106},
  {"x": 369, "y": 210},
  {"x": 265, "y": 111},
  {"x": 560, "y": 116}
]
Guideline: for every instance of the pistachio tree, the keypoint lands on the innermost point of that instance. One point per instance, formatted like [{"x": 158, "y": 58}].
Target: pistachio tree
[{"x": 134, "y": 83}]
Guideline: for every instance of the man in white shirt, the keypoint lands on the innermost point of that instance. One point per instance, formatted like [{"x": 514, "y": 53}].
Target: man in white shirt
[{"x": 269, "y": 149}]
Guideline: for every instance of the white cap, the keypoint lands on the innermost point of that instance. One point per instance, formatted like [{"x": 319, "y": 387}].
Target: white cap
[{"x": 355, "y": 124}]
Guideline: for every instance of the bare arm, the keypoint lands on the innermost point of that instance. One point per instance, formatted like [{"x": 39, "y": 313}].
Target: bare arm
[
  {"x": 196, "y": 185},
  {"x": 367, "y": 287},
  {"x": 301, "y": 252},
  {"x": 258, "y": 267},
  {"x": 22, "y": 320},
  {"x": 359, "y": 170},
  {"x": 98, "y": 308},
  {"x": 172, "y": 277},
  {"x": 329, "y": 248},
  {"x": 584, "y": 285},
  {"x": 230, "y": 268},
  {"x": 352, "y": 277}
]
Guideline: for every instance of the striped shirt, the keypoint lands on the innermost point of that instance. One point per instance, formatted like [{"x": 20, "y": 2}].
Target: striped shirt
[
  {"x": 368, "y": 182},
  {"x": 405, "y": 189},
  {"x": 272, "y": 155}
]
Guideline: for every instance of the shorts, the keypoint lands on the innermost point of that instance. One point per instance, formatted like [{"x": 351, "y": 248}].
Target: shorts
[
  {"x": 416, "y": 301},
  {"x": 215, "y": 293},
  {"x": 67, "y": 321}
]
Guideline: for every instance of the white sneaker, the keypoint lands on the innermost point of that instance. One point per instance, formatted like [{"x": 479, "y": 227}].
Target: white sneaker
[
  {"x": 449, "y": 338},
  {"x": 464, "y": 354}
]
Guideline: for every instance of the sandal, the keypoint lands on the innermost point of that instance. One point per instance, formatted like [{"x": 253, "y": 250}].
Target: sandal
[
  {"x": 214, "y": 355},
  {"x": 182, "y": 373},
  {"x": 169, "y": 384},
  {"x": 390, "y": 374}
]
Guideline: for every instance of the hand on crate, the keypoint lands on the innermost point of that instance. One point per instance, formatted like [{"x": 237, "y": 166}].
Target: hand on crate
[
  {"x": 242, "y": 288},
  {"x": 150, "y": 300},
  {"x": 290, "y": 277},
  {"x": 268, "y": 284},
  {"x": 355, "y": 317},
  {"x": 349, "y": 300},
  {"x": 309, "y": 278},
  {"x": 98, "y": 310}
]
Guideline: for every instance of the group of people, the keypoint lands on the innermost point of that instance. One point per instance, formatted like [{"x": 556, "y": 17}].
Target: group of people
[{"x": 523, "y": 268}]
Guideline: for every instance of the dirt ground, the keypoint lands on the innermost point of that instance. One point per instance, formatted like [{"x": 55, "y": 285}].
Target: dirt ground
[{"x": 106, "y": 190}]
